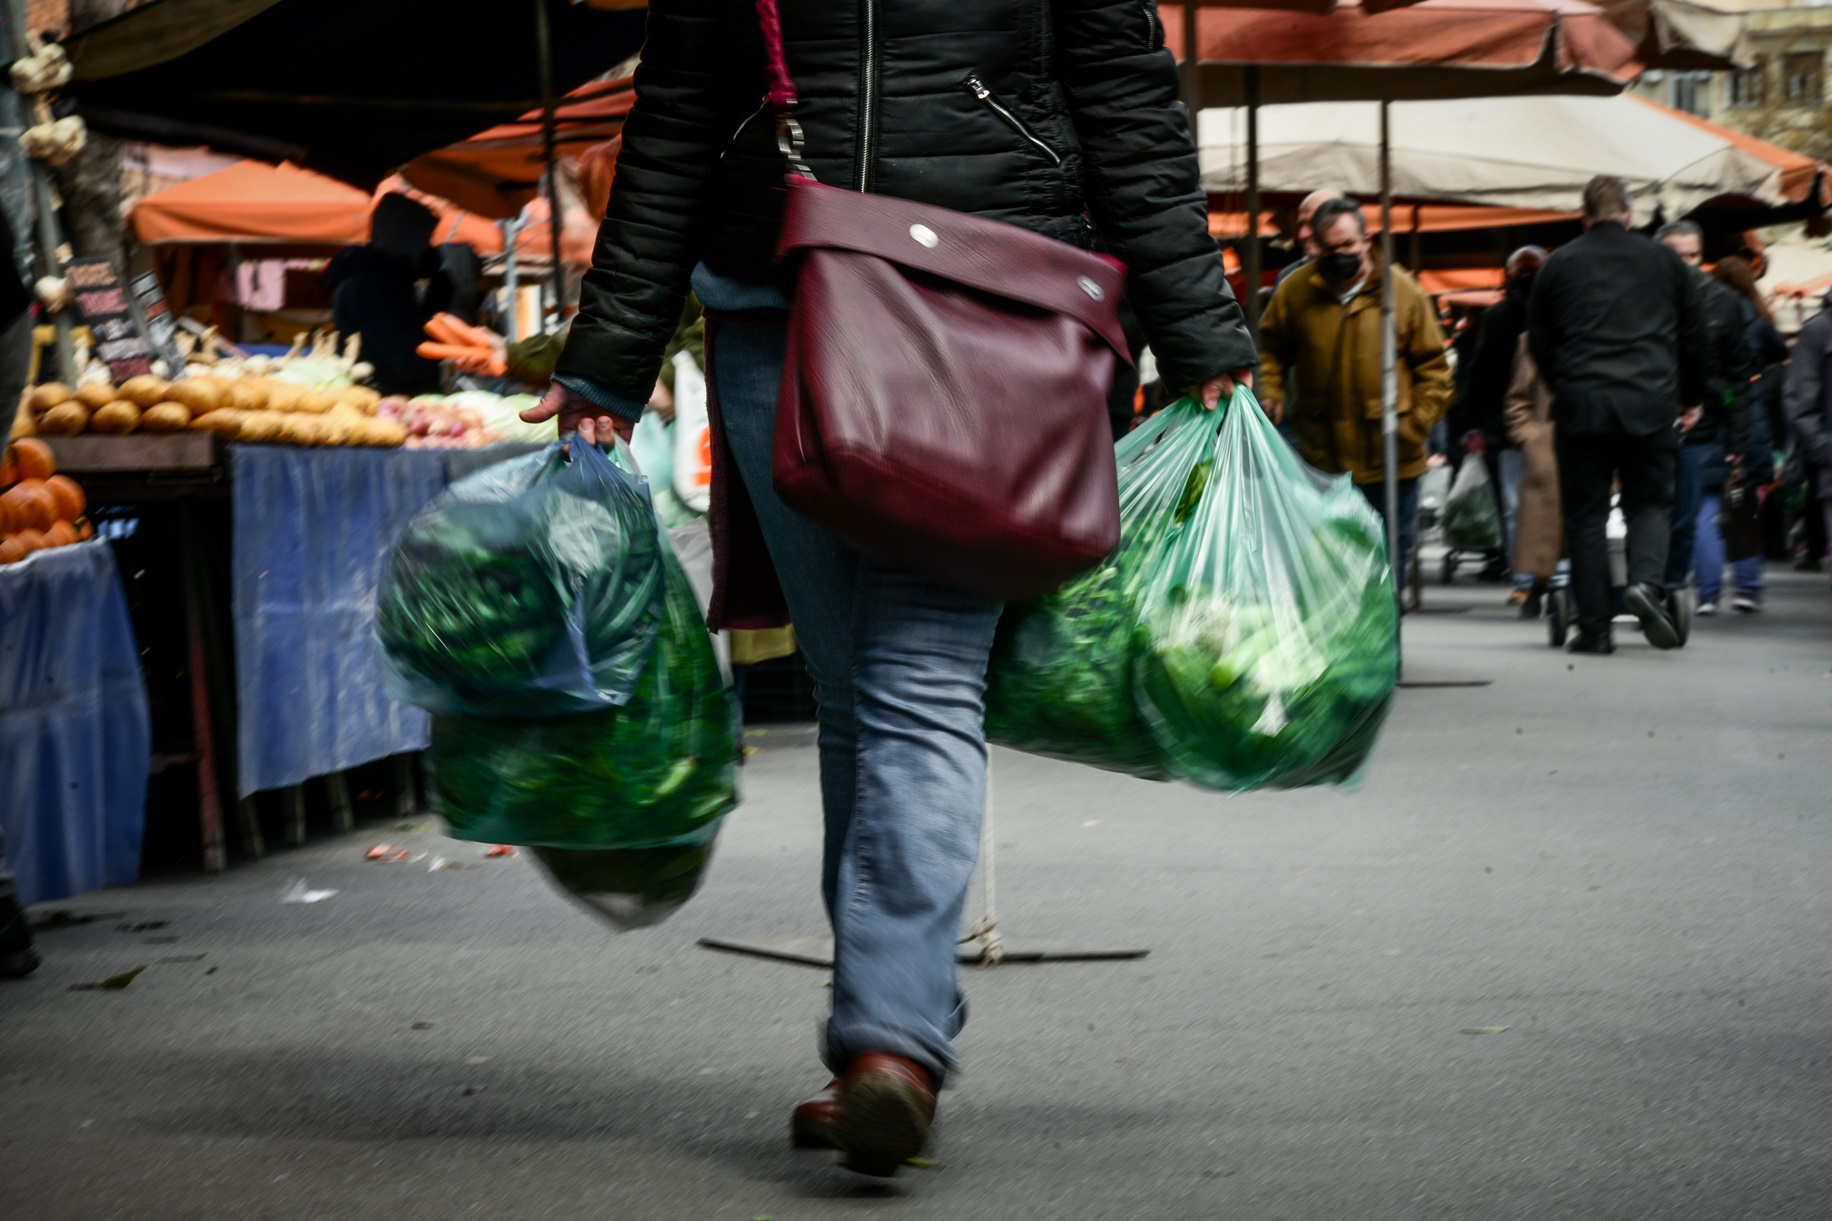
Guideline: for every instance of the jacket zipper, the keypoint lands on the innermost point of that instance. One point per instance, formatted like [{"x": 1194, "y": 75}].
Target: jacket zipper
[
  {"x": 868, "y": 89},
  {"x": 977, "y": 87},
  {"x": 1153, "y": 39}
]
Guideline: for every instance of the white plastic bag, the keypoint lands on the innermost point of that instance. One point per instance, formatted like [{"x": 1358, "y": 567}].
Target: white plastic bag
[
  {"x": 692, "y": 436},
  {"x": 1472, "y": 515}
]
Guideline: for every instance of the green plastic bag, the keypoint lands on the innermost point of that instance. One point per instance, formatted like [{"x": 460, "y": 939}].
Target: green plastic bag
[
  {"x": 661, "y": 771},
  {"x": 530, "y": 588},
  {"x": 1472, "y": 515},
  {"x": 1270, "y": 650},
  {"x": 1061, "y": 677}
]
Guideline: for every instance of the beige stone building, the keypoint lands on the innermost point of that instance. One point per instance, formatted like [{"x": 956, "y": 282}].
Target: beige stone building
[{"x": 1783, "y": 95}]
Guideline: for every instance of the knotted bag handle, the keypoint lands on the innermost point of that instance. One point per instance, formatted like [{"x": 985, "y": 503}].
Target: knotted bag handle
[{"x": 780, "y": 88}]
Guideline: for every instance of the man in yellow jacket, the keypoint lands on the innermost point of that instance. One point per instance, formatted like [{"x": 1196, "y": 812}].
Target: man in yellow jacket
[{"x": 1320, "y": 363}]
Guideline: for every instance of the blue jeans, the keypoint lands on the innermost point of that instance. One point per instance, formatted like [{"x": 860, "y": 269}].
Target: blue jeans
[
  {"x": 1708, "y": 554},
  {"x": 1512, "y": 465},
  {"x": 899, "y": 669},
  {"x": 1688, "y": 481},
  {"x": 1408, "y": 521}
]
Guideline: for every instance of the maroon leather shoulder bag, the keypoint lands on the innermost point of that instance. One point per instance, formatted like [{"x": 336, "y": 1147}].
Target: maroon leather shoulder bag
[{"x": 944, "y": 391}]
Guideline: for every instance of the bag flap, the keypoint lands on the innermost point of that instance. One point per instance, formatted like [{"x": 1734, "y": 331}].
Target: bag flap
[{"x": 987, "y": 255}]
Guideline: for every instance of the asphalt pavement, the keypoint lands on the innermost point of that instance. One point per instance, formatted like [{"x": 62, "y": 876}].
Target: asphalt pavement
[{"x": 1563, "y": 956}]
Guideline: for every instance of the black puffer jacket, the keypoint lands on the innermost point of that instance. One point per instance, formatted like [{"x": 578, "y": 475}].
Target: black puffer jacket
[{"x": 1047, "y": 114}]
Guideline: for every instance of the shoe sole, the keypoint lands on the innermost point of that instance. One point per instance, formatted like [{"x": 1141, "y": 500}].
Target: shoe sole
[
  {"x": 18, "y": 964},
  {"x": 884, "y": 1125},
  {"x": 812, "y": 1134},
  {"x": 1655, "y": 624}
]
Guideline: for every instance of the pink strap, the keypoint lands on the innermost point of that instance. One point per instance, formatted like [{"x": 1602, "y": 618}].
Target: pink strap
[{"x": 782, "y": 89}]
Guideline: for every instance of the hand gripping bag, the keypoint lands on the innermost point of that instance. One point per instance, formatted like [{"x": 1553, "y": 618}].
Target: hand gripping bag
[{"x": 530, "y": 588}]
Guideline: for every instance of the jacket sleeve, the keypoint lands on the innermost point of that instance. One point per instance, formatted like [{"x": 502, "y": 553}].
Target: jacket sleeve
[
  {"x": 650, "y": 238},
  {"x": 1694, "y": 338},
  {"x": 1142, "y": 185},
  {"x": 1274, "y": 326},
  {"x": 1429, "y": 362},
  {"x": 1517, "y": 405},
  {"x": 1803, "y": 393}
]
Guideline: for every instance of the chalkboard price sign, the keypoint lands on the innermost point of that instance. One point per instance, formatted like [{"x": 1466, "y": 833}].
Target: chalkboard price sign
[{"x": 120, "y": 343}]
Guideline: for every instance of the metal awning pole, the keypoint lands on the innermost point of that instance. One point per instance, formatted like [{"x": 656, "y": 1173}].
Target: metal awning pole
[
  {"x": 1389, "y": 366},
  {"x": 1250, "y": 253},
  {"x": 543, "y": 37}
]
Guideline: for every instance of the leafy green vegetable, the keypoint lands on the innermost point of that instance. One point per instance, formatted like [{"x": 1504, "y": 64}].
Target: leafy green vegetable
[
  {"x": 659, "y": 771},
  {"x": 631, "y": 887},
  {"x": 530, "y": 588},
  {"x": 1243, "y": 636}
]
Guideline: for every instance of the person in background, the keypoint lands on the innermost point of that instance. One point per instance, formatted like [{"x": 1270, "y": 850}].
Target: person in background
[
  {"x": 1324, "y": 327},
  {"x": 1716, "y": 428},
  {"x": 375, "y": 294},
  {"x": 1615, "y": 328},
  {"x": 1307, "y": 234},
  {"x": 1484, "y": 392},
  {"x": 1806, "y": 399},
  {"x": 1540, "y": 533},
  {"x": 17, "y": 955},
  {"x": 1768, "y": 352}
]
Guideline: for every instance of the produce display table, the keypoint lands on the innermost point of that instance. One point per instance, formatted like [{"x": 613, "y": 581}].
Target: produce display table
[
  {"x": 74, "y": 727},
  {"x": 302, "y": 696}
]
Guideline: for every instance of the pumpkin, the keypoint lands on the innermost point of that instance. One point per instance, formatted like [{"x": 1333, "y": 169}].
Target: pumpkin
[
  {"x": 119, "y": 417},
  {"x": 68, "y": 494},
  {"x": 201, "y": 394},
  {"x": 96, "y": 394},
  {"x": 166, "y": 417},
  {"x": 64, "y": 420},
  {"x": 85, "y": 529},
  {"x": 32, "y": 459},
  {"x": 12, "y": 550},
  {"x": 61, "y": 534},
  {"x": 30, "y": 540},
  {"x": 33, "y": 506},
  {"x": 51, "y": 394},
  {"x": 145, "y": 391}
]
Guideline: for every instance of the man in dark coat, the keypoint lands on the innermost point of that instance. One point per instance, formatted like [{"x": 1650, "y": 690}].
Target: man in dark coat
[
  {"x": 1719, "y": 423},
  {"x": 1616, "y": 329},
  {"x": 1806, "y": 399},
  {"x": 374, "y": 294}
]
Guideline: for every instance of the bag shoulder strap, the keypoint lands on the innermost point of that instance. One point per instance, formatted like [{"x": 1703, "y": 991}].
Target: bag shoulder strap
[{"x": 781, "y": 94}]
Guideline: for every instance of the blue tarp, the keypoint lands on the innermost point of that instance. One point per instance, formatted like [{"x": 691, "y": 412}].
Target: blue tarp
[
  {"x": 74, "y": 731},
  {"x": 312, "y": 532}
]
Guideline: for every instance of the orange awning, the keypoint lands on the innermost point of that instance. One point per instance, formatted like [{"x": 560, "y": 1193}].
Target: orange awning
[
  {"x": 250, "y": 203},
  {"x": 1798, "y": 173},
  {"x": 1409, "y": 218}
]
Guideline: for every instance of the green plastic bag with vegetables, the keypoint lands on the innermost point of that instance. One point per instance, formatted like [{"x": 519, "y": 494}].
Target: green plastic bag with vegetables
[
  {"x": 530, "y": 588},
  {"x": 1244, "y": 635},
  {"x": 1269, "y": 650},
  {"x": 1061, "y": 678},
  {"x": 659, "y": 772}
]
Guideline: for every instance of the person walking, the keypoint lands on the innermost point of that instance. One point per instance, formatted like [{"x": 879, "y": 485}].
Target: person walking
[
  {"x": 1307, "y": 233},
  {"x": 1540, "y": 536},
  {"x": 375, "y": 293},
  {"x": 1768, "y": 352},
  {"x": 1047, "y": 115},
  {"x": 1806, "y": 400},
  {"x": 1715, "y": 430},
  {"x": 1323, "y": 328},
  {"x": 1482, "y": 403},
  {"x": 1615, "y": 329}
]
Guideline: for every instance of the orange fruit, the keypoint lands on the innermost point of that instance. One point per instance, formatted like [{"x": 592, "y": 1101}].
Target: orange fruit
[
  {"x": 12, "y": 550},
  {"x": 68, "y": 494},
  {"x": 61, "y": 534},
  {"x": 85, "y": 529},
  {"x": 30, "y": 540},
  {"x": 34, "y": 507},
  {"x": 32, "y": 459}
]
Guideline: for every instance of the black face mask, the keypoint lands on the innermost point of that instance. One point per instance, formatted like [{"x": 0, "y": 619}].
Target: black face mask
[{"x": 1339, "y": 268}]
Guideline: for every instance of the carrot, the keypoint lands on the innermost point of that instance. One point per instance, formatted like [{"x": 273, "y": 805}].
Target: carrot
[
  {"x": 439, "y": 326},
  {"x": 473, "y": 335},
  {"x": 451, "y": 351}
]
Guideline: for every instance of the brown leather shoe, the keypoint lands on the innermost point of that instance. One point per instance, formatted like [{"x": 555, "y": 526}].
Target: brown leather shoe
[
  {"x": 814, "y": 1123},
  {"x": 886, "y": 1107}
]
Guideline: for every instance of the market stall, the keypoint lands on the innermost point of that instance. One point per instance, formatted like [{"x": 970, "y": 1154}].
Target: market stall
[{"x": 73, "y": 710}]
